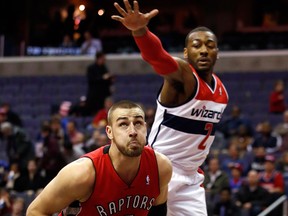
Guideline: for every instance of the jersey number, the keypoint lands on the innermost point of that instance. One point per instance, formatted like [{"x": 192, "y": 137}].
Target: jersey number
[{"x": 208, "y": 127}]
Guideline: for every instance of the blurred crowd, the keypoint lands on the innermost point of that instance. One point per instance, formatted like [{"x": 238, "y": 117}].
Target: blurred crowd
[{"x": 246, "y": 170}]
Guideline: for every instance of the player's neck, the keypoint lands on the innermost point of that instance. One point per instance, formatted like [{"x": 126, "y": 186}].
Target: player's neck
[{"x": 126, "y": 167}]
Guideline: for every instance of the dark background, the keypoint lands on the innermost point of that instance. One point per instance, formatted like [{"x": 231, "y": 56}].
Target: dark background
[{"x": 43, "y": 23}]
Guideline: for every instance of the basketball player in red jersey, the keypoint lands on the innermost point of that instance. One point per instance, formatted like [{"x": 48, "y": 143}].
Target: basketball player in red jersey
[
  {"x": 190, "y": 104},
  {"x": 124, "y": 178}
]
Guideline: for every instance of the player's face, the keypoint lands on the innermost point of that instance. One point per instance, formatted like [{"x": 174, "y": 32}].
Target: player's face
[
  {"x": 128, "y": 131},
  {"x": 202, "y": 51}
]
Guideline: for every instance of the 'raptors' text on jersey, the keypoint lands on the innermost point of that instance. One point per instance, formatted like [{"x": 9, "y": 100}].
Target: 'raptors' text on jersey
[{"x": 186, "y": 132}]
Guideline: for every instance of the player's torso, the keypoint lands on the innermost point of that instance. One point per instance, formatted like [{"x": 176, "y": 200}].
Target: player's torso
[
  {"x": 112, "y": 196},
  {"x": 186, "y": 132}
]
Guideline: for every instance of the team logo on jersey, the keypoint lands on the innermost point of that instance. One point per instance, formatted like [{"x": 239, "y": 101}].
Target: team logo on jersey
[
  {"x": 147, "y": 180},
  {"x": 205, "y": 113},
  {"x": 129, "y": 202}
]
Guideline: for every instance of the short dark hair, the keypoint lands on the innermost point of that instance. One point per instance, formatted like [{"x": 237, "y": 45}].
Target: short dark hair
[
  {"x": 198, "y": 29},
  {"x": 99, "y": 55},
  {"x": 126, "y": 104}
]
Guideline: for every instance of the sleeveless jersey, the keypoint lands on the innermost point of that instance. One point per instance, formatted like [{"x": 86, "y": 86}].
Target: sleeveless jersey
[
  {"x": 185, "y": 133},
  {"x": 112, "y": 196}
]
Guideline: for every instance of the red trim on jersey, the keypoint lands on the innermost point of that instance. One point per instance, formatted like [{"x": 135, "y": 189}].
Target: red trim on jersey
[{"x": 218, "y": 94}]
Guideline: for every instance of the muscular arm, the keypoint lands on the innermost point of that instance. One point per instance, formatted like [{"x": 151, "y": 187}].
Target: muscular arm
[
  {"x": 165, "y": 174},
  {"x": 179, "y": 82},
  {"x": 64, "y": 189},
  {"x": 159, "y": 207}
]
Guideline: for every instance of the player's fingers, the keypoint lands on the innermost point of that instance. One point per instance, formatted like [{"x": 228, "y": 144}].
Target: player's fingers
[
  {"x": 153, "y": 13},
  {"x": 117, "y": 18},
  {"x": 120, "y": 9},
  {"x": 127, "y": 6},
  {"x": 136, "y": 7}
]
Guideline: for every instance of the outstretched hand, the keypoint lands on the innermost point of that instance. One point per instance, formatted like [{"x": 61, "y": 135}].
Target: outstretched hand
[{"x": 133, "y": 19}]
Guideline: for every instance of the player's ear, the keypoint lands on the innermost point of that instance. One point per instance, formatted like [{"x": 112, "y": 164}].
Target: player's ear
[
  {"x": 109, "y": 132},
  {"x": 185, "y": 53}
]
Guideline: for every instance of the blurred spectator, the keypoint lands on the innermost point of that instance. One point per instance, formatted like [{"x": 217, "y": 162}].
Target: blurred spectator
[
  {"x": 13, "y": 174},
  {"x": 258, "y": 158},
  {"x": 51, "y": 161},
  {"x": 265, "y": 138},
  {"x": 74, "y": 135},
  {"x": 30, "y": 180},
  {"x": 18, "y": 207},
  {"x": 273, "y": 181},
  {"x": 99, "y": 82},
  {"x": 215, "y": 180},
  {"x": 219, "y": 145},
  {"x": 98, "y": 139},
  {"x": 19, "y": 147},
  {"x": 45, "y": 130},
  {"x": 63, "y": 114},
  {"x": 282, "y": 166},
  {"x": 80, "y": 108},
  {"x": 226, "y": 205},
  {"x": 282, "y": 130},
  {"x": 3, "y": 115},
  {"x": 4, "y": 169},
  {"x": 231, "y": 157},
  {"x": 11, "y": 116},
  {"x": 4, "y": 156},
  {"x": 244, "y": 138},
  {"x": 236, "y": 179},
  {"x": 100, "y": 118},
  {"x": 57, "y": 131},
  {"x": 72, "y": 152},
  {"x": 230, "y": 126},
  {"x": 67, "y": 42},
  {"x": 5, "y": 202},
  {"x": 91, "y": 46},
  {"x": 251, "y": 197},
  {"x": 277, "y": 98}
]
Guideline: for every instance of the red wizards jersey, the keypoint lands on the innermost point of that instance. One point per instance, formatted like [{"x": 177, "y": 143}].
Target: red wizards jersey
[{"x": 112, "y": 196}]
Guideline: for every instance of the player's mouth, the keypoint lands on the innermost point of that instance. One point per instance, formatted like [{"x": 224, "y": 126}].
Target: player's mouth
[
  {"x": 134, "y": 143},
  {"x": 203, "y": 61}
]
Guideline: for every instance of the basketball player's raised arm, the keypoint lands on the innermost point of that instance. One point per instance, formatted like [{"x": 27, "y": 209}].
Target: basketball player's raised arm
[
  {"x": 149, "y": 44},
  {"x": 165, "y": 173},
  {"x": 74, "y": 182}
]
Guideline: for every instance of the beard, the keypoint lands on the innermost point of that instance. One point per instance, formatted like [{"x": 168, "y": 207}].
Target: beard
[{"x": 131, "y": 151}]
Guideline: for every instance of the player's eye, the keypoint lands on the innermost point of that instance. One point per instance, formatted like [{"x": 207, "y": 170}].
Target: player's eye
[{"x": 123, "y": 124}]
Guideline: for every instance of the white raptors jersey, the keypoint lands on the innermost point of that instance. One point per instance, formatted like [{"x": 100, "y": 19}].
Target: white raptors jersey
[{"x": 185, "y": 133}]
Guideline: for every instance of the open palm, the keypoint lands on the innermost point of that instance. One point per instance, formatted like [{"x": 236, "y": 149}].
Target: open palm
[{"x": 133, "y": 19}]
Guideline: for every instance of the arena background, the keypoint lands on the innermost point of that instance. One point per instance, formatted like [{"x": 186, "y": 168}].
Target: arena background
[{"x": 34, "y": 76}]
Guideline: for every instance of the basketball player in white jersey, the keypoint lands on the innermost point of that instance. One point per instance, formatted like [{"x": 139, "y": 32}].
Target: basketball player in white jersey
[{"x": 190, "y": 104}]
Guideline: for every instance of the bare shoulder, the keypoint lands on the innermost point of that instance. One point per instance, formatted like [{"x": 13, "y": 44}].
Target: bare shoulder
[
  {"x": 164, "y": 167},
  {"x": 161, "y": 158},
  {"x": 183, "y": 64},
  {"x": 184, "y": 74},
  {"x": 79, "y": 174}
]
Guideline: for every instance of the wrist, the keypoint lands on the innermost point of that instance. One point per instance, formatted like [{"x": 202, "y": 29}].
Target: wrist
[{"x": 140, "y": 32}]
